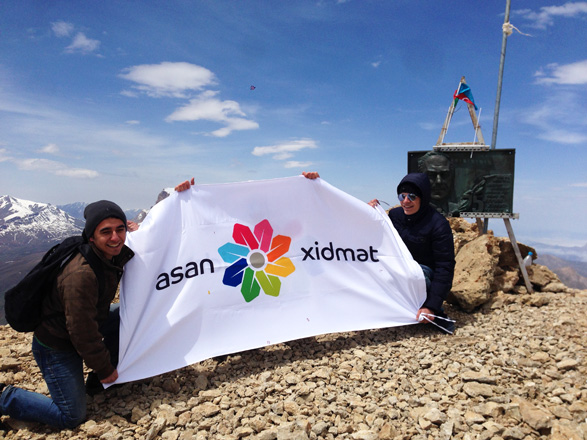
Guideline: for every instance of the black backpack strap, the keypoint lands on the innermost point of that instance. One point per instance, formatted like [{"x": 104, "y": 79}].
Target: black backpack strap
[
  {"x": 71, "y": 246},
  {"x": 96, "y": 265},
  {"x": 62, "y": 253}
]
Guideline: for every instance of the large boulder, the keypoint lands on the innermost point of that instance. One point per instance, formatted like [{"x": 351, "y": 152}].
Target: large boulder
[
  {"x": 475, "y": 270},
  {"x": 544, "y": 280},
  {"x": 507, "y": 257},
  {"x": 506, "y": 280},
  {"x": 486, "y": 265},
  {"x": 463, "y": 232}
]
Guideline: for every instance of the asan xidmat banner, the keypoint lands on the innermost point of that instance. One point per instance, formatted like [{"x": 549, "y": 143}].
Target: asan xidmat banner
[{"x": 224, "y": 268}]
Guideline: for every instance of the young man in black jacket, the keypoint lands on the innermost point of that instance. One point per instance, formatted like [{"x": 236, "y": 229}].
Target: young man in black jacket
[{"x": 428, "y": 236}]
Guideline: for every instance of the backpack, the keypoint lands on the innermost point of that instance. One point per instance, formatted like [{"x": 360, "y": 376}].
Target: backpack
[{"x": 23, "y": 302}]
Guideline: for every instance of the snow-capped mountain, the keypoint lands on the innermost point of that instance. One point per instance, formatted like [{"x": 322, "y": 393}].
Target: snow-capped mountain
[
  {"x": 76, "y": 210},
  {"x": 24, "y": 223},
  {"x": 27, "y": 230}
]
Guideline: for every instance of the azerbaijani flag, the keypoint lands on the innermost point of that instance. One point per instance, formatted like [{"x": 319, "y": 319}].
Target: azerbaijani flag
[{"x": 463, "y": 92}]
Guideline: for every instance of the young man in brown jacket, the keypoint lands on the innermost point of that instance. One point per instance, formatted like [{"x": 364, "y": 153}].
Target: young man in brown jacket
[
  {"x": 80, "y": 324},
  {"x": 75, "y": 328}
]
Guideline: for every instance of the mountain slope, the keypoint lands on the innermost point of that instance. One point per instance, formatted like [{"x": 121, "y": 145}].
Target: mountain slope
[
  {"x": 571, "y": 273},
  {"x": 574, "y": 253},
  {"x": 28, "y": 229},
  {"x": 23, "y": 222},
  {"x": 76, "y": 210}
]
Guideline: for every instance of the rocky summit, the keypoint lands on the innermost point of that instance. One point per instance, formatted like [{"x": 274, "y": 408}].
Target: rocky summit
[{"x": 515, "y": 369}]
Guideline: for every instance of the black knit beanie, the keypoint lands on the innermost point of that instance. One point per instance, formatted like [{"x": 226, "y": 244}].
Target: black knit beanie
[
  {"x": 98, "y": 211},
  {"x": 409, "y": 187}
]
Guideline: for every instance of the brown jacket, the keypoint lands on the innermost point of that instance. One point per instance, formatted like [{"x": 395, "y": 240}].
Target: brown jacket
[{"x": 75, "y": 310}]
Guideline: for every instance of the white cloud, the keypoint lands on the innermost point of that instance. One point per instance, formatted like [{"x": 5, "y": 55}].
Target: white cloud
[
  {"x": 574, "y": 73},
  {"x": 297, "y": 164},
  {"x": 54, "y": 167},
  {"x": 562, "y": 136},
  {"x": 169, "y": 79},
  {"x": 283, "y": 156},
  {"x": 428, "y": 125},
  {"x": 580, "y": 184},
  {"x": 286, "y": 150},
  {"x": 49, "y": 149},
  {"x": 82, "y": 44},
  {"x": 3, "y": 156},
  {"x": 182, "y": 80},
  {"x": 133, "y": 122},
  {"x": 376, "y": 64},
  {"x": 546, "y": 15},
  {"x": 208, "y": 108},
  {"x": 559, "y": 119},
  {"x": 235, "y": 124},
  {"x": 129, "y": 94},
  {"x": 62, "y": 28}
]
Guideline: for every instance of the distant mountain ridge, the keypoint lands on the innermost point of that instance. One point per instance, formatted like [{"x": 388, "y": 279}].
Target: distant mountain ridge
[
  {"x": 573, "y": 253},
  {"x": 76, "y": 210},
  {"x": 571, "y": 273},
  {"x": 25, "y": 224},
  {"x": 568, "y": 263},
  {"x": 28, "y": 229}
]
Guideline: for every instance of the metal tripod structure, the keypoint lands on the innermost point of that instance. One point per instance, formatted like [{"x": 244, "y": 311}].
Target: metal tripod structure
[{"x": 480, "y": 146}]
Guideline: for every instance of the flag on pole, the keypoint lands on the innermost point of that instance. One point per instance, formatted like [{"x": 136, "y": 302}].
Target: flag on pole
[{"x": 463, "y": 92}]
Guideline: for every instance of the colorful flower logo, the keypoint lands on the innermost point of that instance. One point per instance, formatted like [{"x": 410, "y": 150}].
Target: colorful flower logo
[{"x": 257, "y": 260}]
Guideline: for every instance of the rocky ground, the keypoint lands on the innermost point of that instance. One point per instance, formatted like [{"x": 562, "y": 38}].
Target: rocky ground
[{"x": 514, "y": 369}]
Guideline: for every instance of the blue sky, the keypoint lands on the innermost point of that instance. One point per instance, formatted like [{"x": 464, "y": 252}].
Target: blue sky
[{"x": 119, "y": 99}]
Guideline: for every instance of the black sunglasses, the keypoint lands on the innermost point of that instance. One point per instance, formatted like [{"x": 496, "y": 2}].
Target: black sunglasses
[{"x": 411, "y": 197}]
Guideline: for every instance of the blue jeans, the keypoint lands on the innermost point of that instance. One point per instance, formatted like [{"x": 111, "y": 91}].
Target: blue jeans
[
  {"x": 63, "y": 372},
  {"x": 428, "y": 276}
]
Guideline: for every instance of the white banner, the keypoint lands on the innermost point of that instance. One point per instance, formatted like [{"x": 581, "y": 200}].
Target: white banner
[{"x": 225, "y": 268}]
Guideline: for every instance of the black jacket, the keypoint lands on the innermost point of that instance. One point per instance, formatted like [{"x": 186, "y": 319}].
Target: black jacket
[{"x": 428, "y": 237}]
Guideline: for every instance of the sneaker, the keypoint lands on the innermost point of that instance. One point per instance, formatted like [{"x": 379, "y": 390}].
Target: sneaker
[{"x": 445, "y": 326}]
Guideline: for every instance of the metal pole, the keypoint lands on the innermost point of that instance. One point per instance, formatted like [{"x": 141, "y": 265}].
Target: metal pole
[
  {"x": 504, "y": 42},
  {"x": 510, "y": 230}
]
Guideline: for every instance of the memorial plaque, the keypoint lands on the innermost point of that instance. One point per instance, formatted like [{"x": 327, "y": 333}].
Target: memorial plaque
[{"x": 468, "y": 181}]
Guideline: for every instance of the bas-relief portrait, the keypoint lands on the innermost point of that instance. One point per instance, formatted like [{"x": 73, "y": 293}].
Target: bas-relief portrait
[{"x": 468, "y": 181}]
